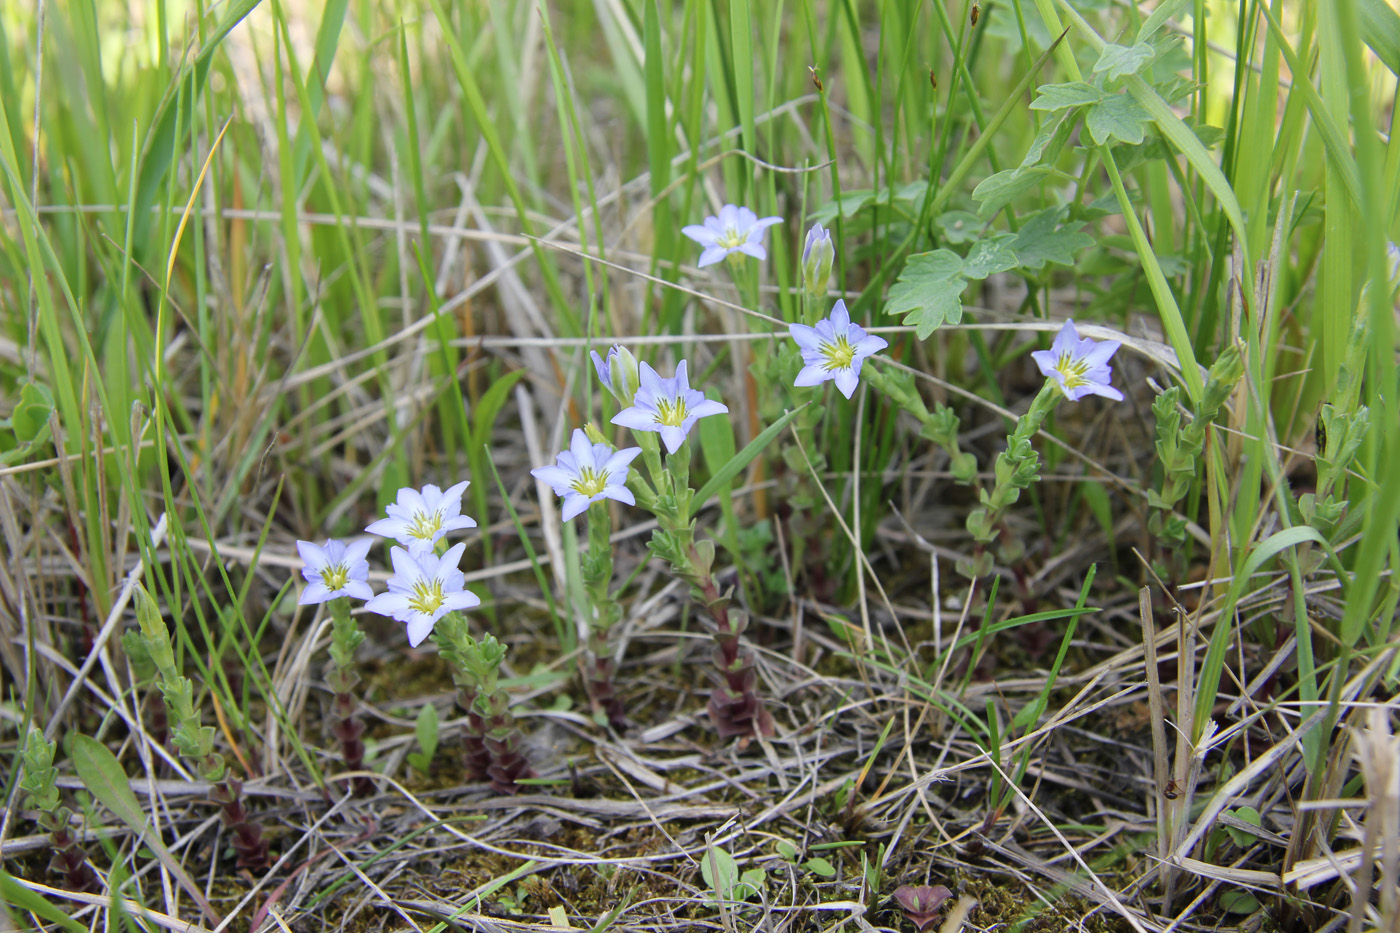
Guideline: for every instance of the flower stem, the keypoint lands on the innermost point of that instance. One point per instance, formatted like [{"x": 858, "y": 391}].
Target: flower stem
[
  {"x": 345, "y": 725},
  {"x": 598, "y": 664}
]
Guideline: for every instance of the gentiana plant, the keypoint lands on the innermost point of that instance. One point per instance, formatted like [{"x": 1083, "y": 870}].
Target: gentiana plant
[
  {"x": 493, "y": 742},
  {"x": 585, "y": 476},
  {"x": 1179, "y": 448},
  {"x": 195, "y": 741},
  {"x": 1074, "y": 367},
  {"x": 661, "y": 412},
  {"x": 336, "y": 572},
  {"x": 40, "y": 786}
]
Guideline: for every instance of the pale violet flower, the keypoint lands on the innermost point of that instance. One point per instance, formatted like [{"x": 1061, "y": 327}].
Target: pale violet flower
[
  {"x": 834, "y": 349},
  {"x": 423, "y": 589},
  {"x": 419, "y": 519},
  {"x": 735, "y": 230},
  {"x": 334, "y": 569},
  {"x": 670, "y": 407},
  {"x": 1079, "y": 365},
  {"x": 818, "y": 254},
  {"x": 589, "y": 473}
]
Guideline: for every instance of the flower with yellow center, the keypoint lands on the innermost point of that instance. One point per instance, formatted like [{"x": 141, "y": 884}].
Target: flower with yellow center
[
  {"x": 417, "y": 520},
  {"x": 835, "y": 349},
  {"x": 670, "y": 407},
  {"x": 1079, "y": 365},
  {"x": 334, "y": 569},
  {"x": 588, "y": 473},
  {"x": 423, "y": 589},
  {"x": 734, "y": 230}
]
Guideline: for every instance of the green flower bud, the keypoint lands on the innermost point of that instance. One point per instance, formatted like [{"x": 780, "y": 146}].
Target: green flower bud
[
  {"x": 618, "y": 373},
  {"x": 818, "y": 255}
]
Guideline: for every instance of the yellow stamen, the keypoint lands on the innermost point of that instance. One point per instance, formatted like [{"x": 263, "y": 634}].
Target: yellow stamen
[
  {"x": 425, "y": 525},
  {"x": 427, "y": 596},
  {"x": 335, "y": 577},
  {"x": 730, "y": 239},
  {"x": 589, "y": 483},
  {"x": 671, "y": 413},
  {"x": 839, "y": 354},
  {"x": 1072, "y": 370}
]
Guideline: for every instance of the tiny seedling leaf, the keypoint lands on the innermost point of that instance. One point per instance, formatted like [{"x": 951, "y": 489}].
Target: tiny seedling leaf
[
  {"x": 820, "y": 866},
  {"x": 31, "y": 415},
  {"x": 929, "y": 291},
  {"x": 720, "y": 871},
  {"x": 786, "y": 850},
  {"x": 1238, "y": 902},
  {"x": 1243, "y": 837},
  {"x": 426, "y": 728}
]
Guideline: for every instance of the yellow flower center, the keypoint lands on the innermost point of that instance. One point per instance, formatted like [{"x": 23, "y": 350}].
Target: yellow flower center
[
  {"x": 425, "y": 525},
  {"x": 731, "y": 238},
  {"x": 335, "y": 577},
  {"x": 1072, "y": 370},
  {"x": 589, "y": 483},
  {"x": 839, "y": 354},
  {"x": 670, "y": 413},
  {"x": 427, "y": 596}
]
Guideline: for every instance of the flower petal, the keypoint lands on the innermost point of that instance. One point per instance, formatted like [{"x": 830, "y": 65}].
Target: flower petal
[
  {"x": 356, "y": 551},
  {"x": 407, "y": 564},
  {"x": 582, "y": 449},
  {"x": 702, "y": 235},
  {"x": 314, "y": 593},
  {"x": 712, "y": 255},
  {"x": 753, "y": 249},
  {"x": 708, "y": 407},
  {"x": 846, "y": 381},
  {"x": 1101, "y": 352},
  {"x": 807, "y": 337},
  {"x": 419, "y": 628},
  {"x": 311, "y": 555},
  {"x": 637, "y": 419},
  {"x": 870, "y": 346},
  {"x": 451, "y": 559},
  {"x": 387, "y": 527},
  {"x": 575, "y": 503},
  {"x": 620, "y": 493},
  {"x": 840, "y": 318},
  {"x": 359, "y": 589},
  {"x": 392, "y": 605},
  {"x": 648, "y": 378},
  {"x": 462, "y": 599},
  {"x": 672, "y": 436},
  {"x": 813, "y": 374},
  {"x": 1066, "y": 339},
  {"x": 620, "y": 459},
  {"x": 556, "y": 477}
]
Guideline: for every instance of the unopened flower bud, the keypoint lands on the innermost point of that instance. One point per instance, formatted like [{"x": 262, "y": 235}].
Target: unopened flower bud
[
  {"x": 618, "y": 373},
  {"x": 1226, "y": 371},
  {"x": 594, "y": 435},
  {"x": 818, "y": 254}
]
